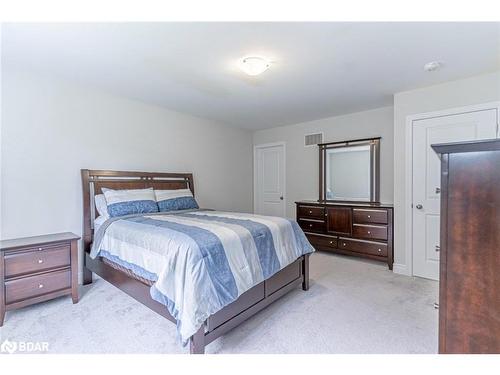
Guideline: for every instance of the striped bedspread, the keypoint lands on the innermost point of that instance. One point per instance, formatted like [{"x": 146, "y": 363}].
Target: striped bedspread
[{"x": 200, "y": 260}]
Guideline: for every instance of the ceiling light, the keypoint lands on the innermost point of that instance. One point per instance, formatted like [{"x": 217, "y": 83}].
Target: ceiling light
[
  {"x": 433, "y": 66},
  {"x": 253, "y": 65}
]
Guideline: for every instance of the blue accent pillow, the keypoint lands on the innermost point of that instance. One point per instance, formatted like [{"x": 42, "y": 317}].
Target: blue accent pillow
[
  {"x": 174, "y": 204},
  {"x": 126, "y": 202},
  {"x": 174, "y": 200}
]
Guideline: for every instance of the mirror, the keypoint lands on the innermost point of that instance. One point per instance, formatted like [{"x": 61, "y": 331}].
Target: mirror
[{"x": 349, "y": 170}]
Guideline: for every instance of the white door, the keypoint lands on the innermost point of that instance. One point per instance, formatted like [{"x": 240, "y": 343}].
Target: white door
[
  {"x": 427, "y": 178},
  {"x": 270, "y": 179}
]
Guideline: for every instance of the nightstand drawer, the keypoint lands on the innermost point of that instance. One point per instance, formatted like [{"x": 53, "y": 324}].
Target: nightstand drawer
[
  {"x": 36, "y": 260},
  {"x": 34, "y": 286}
]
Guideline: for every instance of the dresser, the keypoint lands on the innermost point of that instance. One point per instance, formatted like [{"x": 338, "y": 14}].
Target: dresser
[
  {"x": 358, "y": 229},
  {"x": 37, "y": 269},
  {"x": 469, "y": 287}
]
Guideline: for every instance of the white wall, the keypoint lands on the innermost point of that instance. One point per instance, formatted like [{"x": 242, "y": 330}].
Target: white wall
[
  {"x": 475, "y": 90},
  {"x": 302, "y": 162},
  {"x": 50, "y": 130}
]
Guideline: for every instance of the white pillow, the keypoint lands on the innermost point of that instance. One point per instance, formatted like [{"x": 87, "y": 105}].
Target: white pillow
[
  {"x": 173, "y": 200},
  {"x": 162, "y": 195},
  {"x": 101, "y": 205},
  {"x": 133, "y": 201}
]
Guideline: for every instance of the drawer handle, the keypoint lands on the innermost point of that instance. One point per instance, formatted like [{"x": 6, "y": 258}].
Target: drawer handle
[
  {"x": 40, "y": 261},
  {"x": 40, "y": 286}
]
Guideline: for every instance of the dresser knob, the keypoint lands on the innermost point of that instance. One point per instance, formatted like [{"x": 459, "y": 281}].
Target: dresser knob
[
  {"x": 369, "y": 216},
  {"x": 40, "y": 286},
  {"x": 379, "y": 250},
  {"x": 310, "y": 212},
  {"x": 331, "y": 242},
  {"x": 369, "y": 232},
  {"x": 343, "y": 244},
  {"x": 310, "y": 225},
  {"x": 40, "y": 249},
  {"x": 40, "y": 261}
]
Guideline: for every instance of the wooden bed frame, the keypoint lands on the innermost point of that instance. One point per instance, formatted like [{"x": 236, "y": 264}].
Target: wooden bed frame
[{"x": 247, "y": 305}]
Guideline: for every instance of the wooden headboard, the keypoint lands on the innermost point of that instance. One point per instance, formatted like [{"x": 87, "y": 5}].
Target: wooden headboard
[{"x": 93, "y": 181}]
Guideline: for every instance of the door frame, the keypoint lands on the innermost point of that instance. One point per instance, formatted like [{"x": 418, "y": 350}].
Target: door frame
[
  {"x": 255, "y": 190},
  {"x": 408, "y": 201}
]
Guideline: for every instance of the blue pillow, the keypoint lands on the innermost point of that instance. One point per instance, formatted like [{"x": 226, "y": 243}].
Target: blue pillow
[
  {"x": 173, "y": 200},
  {"x": 126, "y": 202}
]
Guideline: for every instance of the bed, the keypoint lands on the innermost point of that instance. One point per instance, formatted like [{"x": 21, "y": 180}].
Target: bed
[{"x": 223, "y": 314}]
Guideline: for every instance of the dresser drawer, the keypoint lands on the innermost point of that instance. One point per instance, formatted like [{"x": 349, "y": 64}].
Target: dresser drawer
[
  {"x": 34, "y": 286},
  {"x": 363, "y": 247},
  {"x": 322, "y": 242},
  {"x": 361, "y": 215},
  {"x": 35, "y": 260},
  {"x": 373, "y": 232},
  {"x": 311, "y": 212},
  {"x": 312, "y": 225}
]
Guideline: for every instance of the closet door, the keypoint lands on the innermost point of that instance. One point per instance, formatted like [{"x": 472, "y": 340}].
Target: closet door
[{"x": 426, "y": 178}]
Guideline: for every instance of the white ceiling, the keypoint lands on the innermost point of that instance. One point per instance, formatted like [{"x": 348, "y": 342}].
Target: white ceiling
[{"x": 319, "y": 69}]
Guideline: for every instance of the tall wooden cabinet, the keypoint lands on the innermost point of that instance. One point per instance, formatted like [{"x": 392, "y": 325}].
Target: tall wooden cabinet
[{"x": 469, "y": 292}]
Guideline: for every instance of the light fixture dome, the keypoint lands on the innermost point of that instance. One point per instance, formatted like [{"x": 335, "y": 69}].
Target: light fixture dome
[
  {"x": 433, "y": 66},
  {"x": 254, "y": 65}
]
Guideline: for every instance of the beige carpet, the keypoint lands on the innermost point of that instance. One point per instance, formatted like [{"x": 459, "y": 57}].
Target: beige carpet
[{"x": 353, "y": 306}]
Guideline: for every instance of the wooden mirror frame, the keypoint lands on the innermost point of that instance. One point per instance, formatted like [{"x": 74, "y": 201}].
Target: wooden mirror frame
[{"x": 374, "y": 144}]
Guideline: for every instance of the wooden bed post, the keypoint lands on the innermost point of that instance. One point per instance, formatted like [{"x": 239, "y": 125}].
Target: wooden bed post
[
  {"x": 87, "y": 275},
  {"x": 197, "y": 342},
  {"x": 305, "y": 272},
  {"x": 87, "y": 229}
]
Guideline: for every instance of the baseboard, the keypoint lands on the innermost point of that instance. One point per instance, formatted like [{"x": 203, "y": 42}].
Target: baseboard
[{"x": 400, "y": 269}]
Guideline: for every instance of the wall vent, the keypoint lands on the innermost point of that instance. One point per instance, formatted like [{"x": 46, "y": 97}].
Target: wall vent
[{"x": 313, "y": 139}]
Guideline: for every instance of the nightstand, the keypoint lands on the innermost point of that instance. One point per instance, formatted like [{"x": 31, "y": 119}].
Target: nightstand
[{"x": 37, "y": 269}]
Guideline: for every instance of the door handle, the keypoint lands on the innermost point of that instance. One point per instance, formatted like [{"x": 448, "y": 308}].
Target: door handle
[{"x": 419, "y": 206}]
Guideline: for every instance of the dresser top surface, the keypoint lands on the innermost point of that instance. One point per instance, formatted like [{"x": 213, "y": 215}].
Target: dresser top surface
[
  {"x": 37, "y": 240},
  {"x": 350, "y": 204}
]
